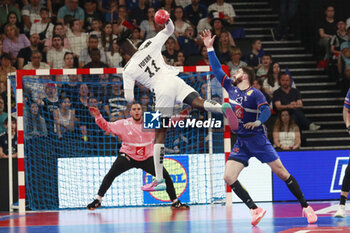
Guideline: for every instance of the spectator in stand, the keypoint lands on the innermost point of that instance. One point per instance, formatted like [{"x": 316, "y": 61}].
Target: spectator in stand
[
  {"x": 65, "y": 119},
  {"x": 168, "y": 5},
  {"x": 102, "y": 90},
  {"x": 5, "y": 68},
  {"x": 225, "y": 9},
  {"x": 286, "y": 134},
  {"x": 85, "y": 54},
  {"x": 170, "y": 53},
  {"x": 31, "y": 14},
  {"x": 181, "y": 59},
  {"x": 345, "y": 59},
  {"x": 4, "y": 153},
  {"x": 218, "y": 27},
  {"x": 95, "y": 59},
  {"x": 266, "y": 61},
  {"x": 112, "y": 14},
  {"x": 78, "y": 38},
  {"x": 205, "y": 23},
  {"x": 236, "y": 63},
  {"x": 71, "y": 89},
  {"x": 113, "y": 57},
  {"x": 43, "y": 27},
  {"x": 326, "y": 30},
  {"x": 36, "y": 63},
  {"x": 71, "y": 8},
  {"x": 115, "y": 102},
  {"x": 138, "y": 11},
  {"x": 24, "y": 55},
  {"x": 195, "y": 11},
  {"x": 271, "y": 84},
  {"x": 3, "y": 116},
  {"x": 90, "y": 9},
  {"x": 13, "y": 20},
  {"x": 224, "y": 46},
  {"x": 287, "y": 97},
  {"x": 123, "y": 12},
  {"x": 56, "y": 54},
  {"x": 253, "y": 59},
  {"x": 340, "y": 37},
  {"x": 147, "y": 26},
  {"x": 205, "y": 60},
  {"x": 96, "y": 29},
  {"x": 6, "y": 7},
  {"x": 68, "y": 64},
  {"x": 82, "y": 109},
  {"x": 180, "y": 22},
  {"x": 48, "y": 105},
  {"x": 35, "y": 125},
  {"x": 136, "y": 37},
  {"x": 107, "y": 37},
  {"x": 258, "y": 84},
  {"x": 188, "y": 43},
  {"x": 146, "y": 103},
  {"x": 58, "y": 29},
  {"x": 14, "y": 42}
]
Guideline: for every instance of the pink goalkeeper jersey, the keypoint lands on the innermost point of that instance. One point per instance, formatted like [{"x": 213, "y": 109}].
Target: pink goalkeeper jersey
[{"x": 137, "y": 142}]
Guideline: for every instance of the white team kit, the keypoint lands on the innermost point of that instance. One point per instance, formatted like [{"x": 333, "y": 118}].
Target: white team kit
[{"x": 147, "y": 66}]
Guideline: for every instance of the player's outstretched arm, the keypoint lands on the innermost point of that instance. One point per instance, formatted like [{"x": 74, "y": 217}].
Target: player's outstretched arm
[
  {"x": 214, "y": 61},
  {"x": 128, "y": 88},
  {"x": 102, "y": 123}
]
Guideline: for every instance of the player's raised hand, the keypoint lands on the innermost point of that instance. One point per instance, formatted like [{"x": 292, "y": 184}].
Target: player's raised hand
[
  {"x": 252, "y": 125},
  {"x": 207, "y": 39},
  {"x": 94, "y": 111}
]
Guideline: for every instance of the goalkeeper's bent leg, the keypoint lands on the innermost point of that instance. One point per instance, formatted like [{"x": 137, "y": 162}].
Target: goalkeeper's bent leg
[{"x": 120, "y": 165}]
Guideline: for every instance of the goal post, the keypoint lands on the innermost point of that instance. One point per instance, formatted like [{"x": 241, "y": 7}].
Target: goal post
[{"x": 56, "y": 167}]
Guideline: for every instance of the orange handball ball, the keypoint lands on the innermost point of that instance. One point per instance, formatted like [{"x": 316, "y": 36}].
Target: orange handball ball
[{"x": 161, "y": 17}]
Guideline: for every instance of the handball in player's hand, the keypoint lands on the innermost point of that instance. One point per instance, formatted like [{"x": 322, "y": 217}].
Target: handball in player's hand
[{"x": 161, "y": 17}]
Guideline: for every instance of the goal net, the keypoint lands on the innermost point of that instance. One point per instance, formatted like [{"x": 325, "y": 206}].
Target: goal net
[{"x": 67, "y": 154}]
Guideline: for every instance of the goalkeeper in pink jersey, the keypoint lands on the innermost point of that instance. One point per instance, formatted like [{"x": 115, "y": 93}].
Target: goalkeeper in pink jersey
[
  {"x": 136, "y": 152},
  {"x": 147, "y": 66}
]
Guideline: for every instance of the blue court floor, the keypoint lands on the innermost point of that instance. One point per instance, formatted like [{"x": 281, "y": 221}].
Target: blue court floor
[{"x": 280, "y": 217}]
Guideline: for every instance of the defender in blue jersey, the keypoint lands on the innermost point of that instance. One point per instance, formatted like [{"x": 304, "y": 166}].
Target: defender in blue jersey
[
  {"x": 345, "y": 187},
  {"x": 252, "y": 111}
]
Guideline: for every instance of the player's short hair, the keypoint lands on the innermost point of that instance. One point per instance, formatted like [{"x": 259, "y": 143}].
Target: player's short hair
[
  {"x": 250, "y": 72},
  {"x": 44, "y": 9},
  {"x": 124, "y": 37},
  {"x": 135, "y": 103}
]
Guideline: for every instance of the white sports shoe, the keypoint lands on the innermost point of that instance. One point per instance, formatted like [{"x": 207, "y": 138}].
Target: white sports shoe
[{"x": 340, "y": 212}]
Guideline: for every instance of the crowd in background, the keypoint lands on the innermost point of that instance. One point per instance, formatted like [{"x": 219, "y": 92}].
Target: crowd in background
[{"x": 44, "y": 34}]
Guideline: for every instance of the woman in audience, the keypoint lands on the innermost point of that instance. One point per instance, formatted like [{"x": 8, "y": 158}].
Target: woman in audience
[
  {"x": 180, "y": 60},
  {"x": 107, "y": 37},
  {"x": 35, "y": 125},
  {"x": 168, "y": 5},
  {"x": 271, "y": 82},
  {"x": 147, "y": 26},
  {"x": 136, "y": 37},
  {"x": 13, "y": 20},
  {"x": 14, "y": 41},
  {"x": 224, "y": 47},
  {"x": 286, "y": 134},
  {"x": 205, "y": 60},
  {"x": 236, "y": 63},
  {"x": 180, "y": 22},
  {"x": 113, "y": 57},
  {"x": 68, "y": 64},
  {"x": 5, "y": 68},
  {"x": 64, "y": 118}
]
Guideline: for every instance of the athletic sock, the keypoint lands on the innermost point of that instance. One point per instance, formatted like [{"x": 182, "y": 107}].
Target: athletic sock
[
  {"x": 212, "y": 106},
  {"x": 342, "y": 200},
  {"x": 243, "y": 195},
  {"x": 99, "y": 198},
  {"x": 295, "y": 189},
  {"x": 158, "y": 156}
]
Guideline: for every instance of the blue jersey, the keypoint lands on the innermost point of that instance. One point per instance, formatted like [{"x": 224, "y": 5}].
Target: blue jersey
[
  {"x": 347, "y": 100},
  {"x": 245, "y": 104}
]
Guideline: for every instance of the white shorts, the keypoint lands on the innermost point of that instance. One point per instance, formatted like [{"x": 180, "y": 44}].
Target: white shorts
[{"x": 169, "y": 91}]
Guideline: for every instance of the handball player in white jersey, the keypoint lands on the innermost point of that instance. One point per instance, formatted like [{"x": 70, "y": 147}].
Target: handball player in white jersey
[{"x": 148, "y": 67}]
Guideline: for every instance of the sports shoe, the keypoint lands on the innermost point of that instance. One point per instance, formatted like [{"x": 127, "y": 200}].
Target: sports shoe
[
  {"x": 156, "y": 185},
  {"x": 179, "y": 205},
  {"x": 230, "y": 115},
  {"x": 340, "y": 212},
  {"x": 257, "y": 214},
  {"x": 309, "y": 213},
  {"x": 94, "y": 205}
]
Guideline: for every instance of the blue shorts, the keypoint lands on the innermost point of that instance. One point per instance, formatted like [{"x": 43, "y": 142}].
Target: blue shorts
[{"x": 257, "y": 146}]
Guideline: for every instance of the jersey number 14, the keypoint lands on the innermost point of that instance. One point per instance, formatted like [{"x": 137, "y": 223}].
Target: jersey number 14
[{"x": 155, "y": 68}]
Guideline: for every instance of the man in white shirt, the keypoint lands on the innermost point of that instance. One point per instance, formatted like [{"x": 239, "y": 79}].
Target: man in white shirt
[
  {"x": 223, "y": 8},
  {"x": 31, "y": 14},
  {"x": 147, "y": 66},
  {"x": 56, "y": 54},
  {"x": 43, "y": 25}
]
